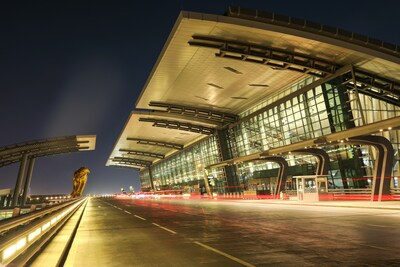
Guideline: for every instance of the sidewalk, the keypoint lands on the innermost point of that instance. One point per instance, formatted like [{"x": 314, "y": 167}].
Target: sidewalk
[{"x": 389, "y": 205}]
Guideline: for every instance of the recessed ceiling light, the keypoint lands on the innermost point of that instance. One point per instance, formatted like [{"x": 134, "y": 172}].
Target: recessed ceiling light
[
  {"x": 258, "y": 85},
  {"x": 206, "y": 99},
  {"x": 215, "y": 85},
  {"x": 233, "y": 70},
  {"x": 277, "y": 68}
]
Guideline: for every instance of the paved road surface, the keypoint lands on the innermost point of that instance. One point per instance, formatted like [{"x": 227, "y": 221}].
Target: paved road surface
[{"x": 186, "y": 233}]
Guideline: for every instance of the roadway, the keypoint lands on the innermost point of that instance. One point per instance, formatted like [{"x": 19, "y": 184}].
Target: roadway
[{"x": 165, "y": 232}]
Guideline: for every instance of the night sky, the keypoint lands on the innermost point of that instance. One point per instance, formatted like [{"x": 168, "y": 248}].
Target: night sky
[{"x": 77, "y": 67}]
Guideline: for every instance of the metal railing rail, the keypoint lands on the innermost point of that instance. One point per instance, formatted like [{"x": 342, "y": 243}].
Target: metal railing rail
[
  {"x": 395, "y": 191},
  {"x": 350, "y": 191},
  {"x": 10, "y": 223},
  {"x": 21, "y": 238}
]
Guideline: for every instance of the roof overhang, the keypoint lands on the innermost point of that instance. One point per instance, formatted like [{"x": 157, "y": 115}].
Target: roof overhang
[
  {"x": 189, "y": 76},
  {"x": 86, "y": 142},
  {"x": 46, "y": 147}
]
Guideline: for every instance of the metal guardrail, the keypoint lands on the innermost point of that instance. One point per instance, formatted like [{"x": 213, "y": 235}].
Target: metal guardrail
[
  {"x": 395, "y": 191},
  {"x": 23, "y": 236},
  {"x": 23, "y": 219},
  {"x": 351, "y": 191}
]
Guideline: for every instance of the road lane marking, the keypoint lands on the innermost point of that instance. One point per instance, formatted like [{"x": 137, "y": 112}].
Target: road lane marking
[
  {"x": 376, "y": 247},
  {"x": 127, "y": 212},
  {"x": 137, "y": 216},
  {"x": 166, "y": 229},
  {"x": 119, "y": 208},
  {"x": 225, "y": 254},
  {"x": 377, "y": 225}
]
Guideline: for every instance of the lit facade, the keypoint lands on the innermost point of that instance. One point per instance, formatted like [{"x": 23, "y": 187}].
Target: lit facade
[{"x": 288, "y": 99}]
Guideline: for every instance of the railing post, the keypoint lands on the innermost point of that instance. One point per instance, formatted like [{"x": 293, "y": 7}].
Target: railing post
[
  {"x": 27, "y": 181},
  {"x": 16, "y": 212},
  {"x": 17, "y": 188}
]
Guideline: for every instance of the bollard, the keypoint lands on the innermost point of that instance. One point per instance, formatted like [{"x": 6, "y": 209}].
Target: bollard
[
  {"x": 16, "y": 212},
  {"x": 33, "y": 208}
]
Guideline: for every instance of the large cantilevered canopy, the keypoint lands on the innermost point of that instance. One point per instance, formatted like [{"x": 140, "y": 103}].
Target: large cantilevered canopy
[
  {"x": 213, "y": 68},
  {"x": 46, "y": 147}
]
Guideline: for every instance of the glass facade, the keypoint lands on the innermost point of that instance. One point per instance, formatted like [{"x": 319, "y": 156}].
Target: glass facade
[
  {"x": 185, "y": 169},
  {"x": 297, "y": 116},
  {"x": 367, "y": 109}
]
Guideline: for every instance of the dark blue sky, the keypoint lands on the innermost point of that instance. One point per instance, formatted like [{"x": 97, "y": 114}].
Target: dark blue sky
[{"x": 77, "y": 67}]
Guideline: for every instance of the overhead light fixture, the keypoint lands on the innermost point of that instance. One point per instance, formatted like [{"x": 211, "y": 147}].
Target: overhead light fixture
[
  {"x": 277, "y": 68},
  {"x": 233, "y": 70},
  {"x": 239, "y": 97},
  {"x": 258, "y": 85},
  {"x": 205, "y": 99},
  {"x": 215, "y": 85}
]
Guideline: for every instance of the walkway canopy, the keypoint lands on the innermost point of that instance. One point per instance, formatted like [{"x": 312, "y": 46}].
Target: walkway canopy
[
  {"x": 29, "y": 151},
  {"x": 45, "y": 147},
  {"x": 213, "y": 70}
]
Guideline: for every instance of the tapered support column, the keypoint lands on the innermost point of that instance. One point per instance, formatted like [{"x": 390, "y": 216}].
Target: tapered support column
[
  {"x": 282, "y": 173},
  {"x": 28, "y": 181},
  {"x": 232, "y": 179},
  {"x": 323, "y": 165},
  {"x": 383, "y": 165},
  {"x": 18, "y": 184},
  {"x": 151, "y": 179}
]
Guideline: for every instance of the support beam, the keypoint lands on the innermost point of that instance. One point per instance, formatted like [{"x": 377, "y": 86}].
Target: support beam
[
  {"x": 211, "y": 116},
  {"x": 155, "y": 143},
  {"x": 39, "y": 148},
  {"x": 21, "y": 173},
  {"x": 142, "y": 153},
  {"x": 165, "y": 115},
  {"x": 182, "y": 126},
  {"x": 282, "y": 173},
  {"x": 132, "y": 161},
  {"x": 28, "y": 181},
  {"x": 151, "y": 179},
  {"x": 278, "y": 59},
  {"x": 383, "y": 164},
  {"x": 323, "y": 165},
  {"x": 373, "y": 85},
  {"x": 122, "y": 165}
]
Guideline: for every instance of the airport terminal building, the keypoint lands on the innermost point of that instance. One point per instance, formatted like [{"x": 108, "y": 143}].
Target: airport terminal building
[{"x": 249, "y": 101}]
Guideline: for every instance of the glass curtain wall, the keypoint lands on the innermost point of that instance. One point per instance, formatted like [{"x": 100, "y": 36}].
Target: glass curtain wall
[
  {"x": 371, "y": 110},
  {"x": 145, "y": 184},
  {"x": 325, "y": 109},
  {"x": 185, "y": 170},
  {"x": 320, "y": 111}
]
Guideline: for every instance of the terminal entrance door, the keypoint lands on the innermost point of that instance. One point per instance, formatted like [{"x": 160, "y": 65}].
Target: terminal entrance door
[{"x": 311, "y": 187}]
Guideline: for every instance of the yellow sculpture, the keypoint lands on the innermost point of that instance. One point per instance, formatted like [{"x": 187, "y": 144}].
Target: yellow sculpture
[{"x": 80, "y": 179}]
